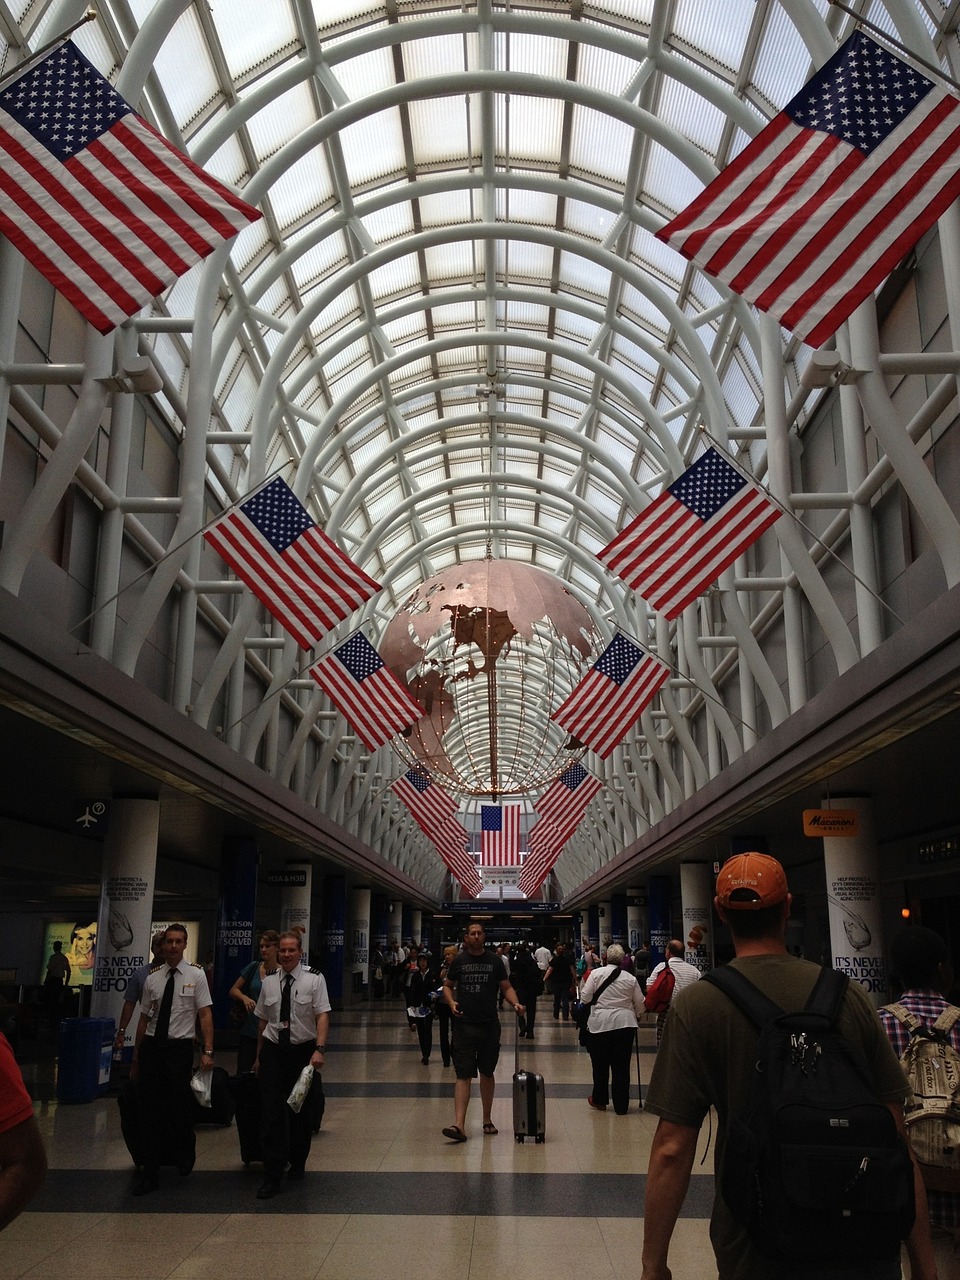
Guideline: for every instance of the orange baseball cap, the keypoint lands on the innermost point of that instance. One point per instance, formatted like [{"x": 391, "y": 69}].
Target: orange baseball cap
[{"x": 750, "y": 882}]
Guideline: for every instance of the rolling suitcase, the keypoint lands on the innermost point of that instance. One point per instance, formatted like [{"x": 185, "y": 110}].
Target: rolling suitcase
[
  {"x": 246, "y": 1093},
  {"x": 528, "y": 1100}
]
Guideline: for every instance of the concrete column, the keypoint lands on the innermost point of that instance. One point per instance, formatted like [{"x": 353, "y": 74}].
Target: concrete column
[
  {"x": 636, "y": 901},
  {"x": 358, "y": 951},
  {"x": 852, "y": 871},
  {"x": 126, "y": 903},
  {"x": 696, "y": 899},
  {"x": 295, "y": 898}
]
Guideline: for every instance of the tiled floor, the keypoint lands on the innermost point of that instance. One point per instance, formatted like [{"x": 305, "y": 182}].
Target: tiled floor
[{"x": 385, "y": 1194}]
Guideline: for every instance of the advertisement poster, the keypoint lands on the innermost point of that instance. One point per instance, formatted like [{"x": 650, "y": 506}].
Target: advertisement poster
[{"x": 79, "y": 941}]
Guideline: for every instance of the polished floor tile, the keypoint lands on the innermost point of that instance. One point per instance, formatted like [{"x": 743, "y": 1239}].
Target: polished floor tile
[{"x": 385, "y": 1192}]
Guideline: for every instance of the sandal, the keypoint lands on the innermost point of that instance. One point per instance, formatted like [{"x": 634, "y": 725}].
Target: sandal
[
  {"x": 454, "y": 1133},
  {"x": 490, "y": 1128}
]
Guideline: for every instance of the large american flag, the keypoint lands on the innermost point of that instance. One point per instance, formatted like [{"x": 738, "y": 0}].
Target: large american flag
[
  {"x": 451, "y": 841},
  {"x": 818, "y": 209},
  {"x": 611, "y": 696},
  {"x": 565, "y": 800},
  {"x": 689, "y": 534},
  {"x": 366, "y": 691},
  {"x": 289, "y": 563},
  {"x": 98, "y": 201},
  {"x": 429, "y": 803},
  {"x": 499, "y": 835}
]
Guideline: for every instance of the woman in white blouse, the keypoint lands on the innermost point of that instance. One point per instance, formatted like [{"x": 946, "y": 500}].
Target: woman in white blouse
[{"x": 611, "y": 1030}]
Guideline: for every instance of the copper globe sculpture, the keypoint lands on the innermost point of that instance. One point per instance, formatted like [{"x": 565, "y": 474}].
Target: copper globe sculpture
[{"x": 490, "y": 647}]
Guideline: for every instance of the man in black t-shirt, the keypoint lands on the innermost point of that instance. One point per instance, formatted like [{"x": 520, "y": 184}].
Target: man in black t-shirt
[{"x": 473, "y": 982}]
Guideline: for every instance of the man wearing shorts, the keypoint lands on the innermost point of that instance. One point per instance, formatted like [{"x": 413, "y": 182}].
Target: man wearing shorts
[{"x": 474, "y": 981}]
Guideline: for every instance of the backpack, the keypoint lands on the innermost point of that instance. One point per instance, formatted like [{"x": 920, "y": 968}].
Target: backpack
[
  {"x": 815, "y": 1169},
  {"x": 660, "y": 991},
  {"x": 932, "y": 1113}
]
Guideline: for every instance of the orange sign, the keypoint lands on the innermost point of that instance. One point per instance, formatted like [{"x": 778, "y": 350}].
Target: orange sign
[{"x": 831, "y": 822}]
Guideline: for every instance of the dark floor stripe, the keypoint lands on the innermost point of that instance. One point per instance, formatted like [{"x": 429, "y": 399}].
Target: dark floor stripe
[{"x": 532, "y": 1195}]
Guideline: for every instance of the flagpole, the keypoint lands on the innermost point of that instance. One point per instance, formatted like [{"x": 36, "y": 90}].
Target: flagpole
[
  {"x": 21, "y": 67},
  {"x": 180, "y": 545},
  {"x": 908, "y": 53},
  {"x": 797, "y": 521}
]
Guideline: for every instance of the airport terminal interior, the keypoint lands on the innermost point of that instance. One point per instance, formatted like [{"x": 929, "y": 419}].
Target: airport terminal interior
[{"x": 442, "y": 312}]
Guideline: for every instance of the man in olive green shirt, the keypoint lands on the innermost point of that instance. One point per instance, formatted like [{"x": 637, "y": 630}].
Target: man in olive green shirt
[{"x": 707, "y": 1059}]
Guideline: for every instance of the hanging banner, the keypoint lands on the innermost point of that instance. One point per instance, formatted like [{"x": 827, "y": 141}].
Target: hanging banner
[
  {"x": 635, "y": 923},
  {"x": 660, "y": 896},
  {"x": 236, "y": 913},
  {"x": 358, "y": 951},
  {"x": 618, "y": 918},
  {"x": 334, "y": 930}
]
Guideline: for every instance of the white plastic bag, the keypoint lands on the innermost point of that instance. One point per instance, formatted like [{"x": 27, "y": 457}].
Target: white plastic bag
[
  {"x": 298, "y": 1094},
  {"x": 201, "y": 1082}
]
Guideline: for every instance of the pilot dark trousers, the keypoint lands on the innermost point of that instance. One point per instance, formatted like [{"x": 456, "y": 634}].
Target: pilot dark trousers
[{"x": 285, "y": 1134}]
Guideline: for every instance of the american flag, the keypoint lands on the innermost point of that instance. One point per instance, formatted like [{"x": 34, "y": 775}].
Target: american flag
[
  {"x": 544, "y": 846},
  {"x": 818, "y": 209},
  {"x": 689, "y": 534},
  {"x": 366, "y": 691},
  {"x": 612, "y": 695},
  {"x": 289, "y": 563},
  {"x": 98, "y": 201},
  {"x": 566, "y": 799},
  {"x": 429, "y": 803},
  {"x": 499, "y": 835},
  {"x": 451, "y": 841}
]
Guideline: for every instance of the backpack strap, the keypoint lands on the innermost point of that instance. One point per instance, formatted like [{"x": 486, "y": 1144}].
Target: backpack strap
[
  {"x": 905, "y": 1017},
  {"x": 946, "y": 1020},
  {"x": 827, "y": 995},
  {"x": 748, "y": 998},
  {"x": 825, "y": 998}
]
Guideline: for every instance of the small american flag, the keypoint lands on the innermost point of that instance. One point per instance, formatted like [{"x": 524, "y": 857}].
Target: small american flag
[
  {"x": 429, "y": 803},
  {"x": 544, "y": 846},
  {"x": 689, "y": 534},
  {"x": 611, "y": 696},
  {"x": 567, "y": 798},
  {"x": 817, "y": 210},
  {"x": 366, "y": 691},
  {"x": 98, "y": 201},
  {"x": 499, "y": 835},
  {"x": 289, "y": 563},
  {"x": 451, "y": 842}
]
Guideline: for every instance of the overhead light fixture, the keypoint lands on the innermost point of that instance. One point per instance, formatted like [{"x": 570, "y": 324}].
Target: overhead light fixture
[
  {"x": 826, "y": 369},
  {"x": 136, "y": 376}
]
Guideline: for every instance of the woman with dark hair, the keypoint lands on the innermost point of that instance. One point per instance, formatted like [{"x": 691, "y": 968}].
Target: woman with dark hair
[{"x": 245, "y": 991}]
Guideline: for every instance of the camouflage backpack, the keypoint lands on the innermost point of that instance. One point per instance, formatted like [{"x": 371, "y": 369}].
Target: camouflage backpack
[{"x": 932, "y": 1112}]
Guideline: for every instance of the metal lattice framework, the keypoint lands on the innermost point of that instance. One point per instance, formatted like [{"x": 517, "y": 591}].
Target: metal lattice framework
[{"x": 455, "y": 332}]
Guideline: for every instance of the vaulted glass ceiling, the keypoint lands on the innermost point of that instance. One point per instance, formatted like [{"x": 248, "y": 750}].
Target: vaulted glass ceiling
[{"x": 453, "y": 330}]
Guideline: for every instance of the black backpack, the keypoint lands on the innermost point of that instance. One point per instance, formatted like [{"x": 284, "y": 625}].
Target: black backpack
[{"x": 815, "y": 1170}]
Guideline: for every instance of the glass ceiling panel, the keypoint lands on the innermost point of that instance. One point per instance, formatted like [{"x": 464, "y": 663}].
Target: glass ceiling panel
[
  {"x": 251, "y": 31},
  {"x": 390, "y": 152}
]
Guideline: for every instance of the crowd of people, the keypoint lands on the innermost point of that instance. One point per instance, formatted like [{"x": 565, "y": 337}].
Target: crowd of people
[{"x": 707, "y": 1047}]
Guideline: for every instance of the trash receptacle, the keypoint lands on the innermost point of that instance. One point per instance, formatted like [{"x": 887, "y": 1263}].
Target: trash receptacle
[{"x": 85, "y": 1058}]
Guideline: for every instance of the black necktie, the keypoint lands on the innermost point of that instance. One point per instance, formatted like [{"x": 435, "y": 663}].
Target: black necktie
[
  {"x": 284, "y": 1033},
  {"x": 166, "y": 1004}
]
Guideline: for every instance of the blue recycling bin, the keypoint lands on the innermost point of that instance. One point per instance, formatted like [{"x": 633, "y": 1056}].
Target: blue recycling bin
[{"x": 86, "y": 1055}]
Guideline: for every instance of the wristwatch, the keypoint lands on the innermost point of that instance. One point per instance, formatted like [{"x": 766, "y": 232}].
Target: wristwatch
[{"x": 321, "y": 1048}]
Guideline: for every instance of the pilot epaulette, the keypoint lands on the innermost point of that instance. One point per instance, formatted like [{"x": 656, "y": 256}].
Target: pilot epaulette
[
  {"x": 307, "y": 968},
  {"x": 159, "y": 965}
]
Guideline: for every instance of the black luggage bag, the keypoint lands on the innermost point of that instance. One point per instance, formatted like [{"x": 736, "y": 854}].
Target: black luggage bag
[
  {"x": 528, "y": 1100},
  {"x": 246, "y": 1096}
]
